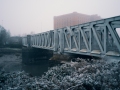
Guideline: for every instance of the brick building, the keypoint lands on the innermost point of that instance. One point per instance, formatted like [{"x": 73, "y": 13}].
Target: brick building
[{"x": 73, "y": 19}]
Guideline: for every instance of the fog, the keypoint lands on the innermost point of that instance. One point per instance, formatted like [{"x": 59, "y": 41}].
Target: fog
[{"x": 22, "y": 17}]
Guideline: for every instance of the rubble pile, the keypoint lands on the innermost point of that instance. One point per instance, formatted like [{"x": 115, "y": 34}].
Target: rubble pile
[{"x": 99, "y": 75}]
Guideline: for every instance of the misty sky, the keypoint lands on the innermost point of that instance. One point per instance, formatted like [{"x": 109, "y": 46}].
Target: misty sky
[{"x": 22, "y": 17}]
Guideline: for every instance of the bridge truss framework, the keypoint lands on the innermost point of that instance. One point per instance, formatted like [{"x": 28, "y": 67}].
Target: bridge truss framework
[{"x": 97, "y": 38}]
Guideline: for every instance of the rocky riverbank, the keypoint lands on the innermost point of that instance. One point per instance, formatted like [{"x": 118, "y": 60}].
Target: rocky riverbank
[{"x": 93, "y": 75}]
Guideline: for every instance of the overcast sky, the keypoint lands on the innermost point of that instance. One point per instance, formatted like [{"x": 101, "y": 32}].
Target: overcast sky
[{"x": 22, "y": 17}]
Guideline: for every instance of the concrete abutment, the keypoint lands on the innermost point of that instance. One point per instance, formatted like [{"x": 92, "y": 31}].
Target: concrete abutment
[{"x": 35, "y": 55}]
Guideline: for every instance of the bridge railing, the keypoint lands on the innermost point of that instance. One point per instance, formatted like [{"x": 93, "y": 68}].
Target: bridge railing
[
  {"x": 24, "y": 41},
  {"x": 43, "y": 40},
  {"x": 97, "y": 38}
]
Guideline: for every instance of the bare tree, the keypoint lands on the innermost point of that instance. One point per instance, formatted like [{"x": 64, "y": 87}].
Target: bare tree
[{"x": 4, "y": 36}]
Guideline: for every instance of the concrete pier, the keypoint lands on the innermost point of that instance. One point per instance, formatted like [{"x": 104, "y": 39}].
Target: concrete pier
[{"x": 35, "y": 55}]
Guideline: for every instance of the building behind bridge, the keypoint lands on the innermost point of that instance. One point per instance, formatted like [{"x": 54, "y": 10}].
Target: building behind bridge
[{"x": 72, "y": 19}]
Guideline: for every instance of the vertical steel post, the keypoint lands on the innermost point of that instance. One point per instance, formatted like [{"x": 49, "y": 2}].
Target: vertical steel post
[
  {"x": 29, "y": 40},
  {"x": 55, "y": 40},
  {"x": 105, "y": 39},
  {"x": 90, "y": 38},
  {"x": 61, "y": 41}
]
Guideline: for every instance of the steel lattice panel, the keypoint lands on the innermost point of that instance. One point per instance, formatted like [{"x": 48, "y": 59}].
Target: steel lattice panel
[{"x": 97, "y": 38}]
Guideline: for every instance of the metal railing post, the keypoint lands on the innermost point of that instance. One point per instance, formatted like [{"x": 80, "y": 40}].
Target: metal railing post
[{"x": 29, "y": 40}]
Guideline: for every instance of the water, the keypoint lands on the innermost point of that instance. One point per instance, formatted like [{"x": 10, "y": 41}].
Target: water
[{"x": 13, "y": 62}]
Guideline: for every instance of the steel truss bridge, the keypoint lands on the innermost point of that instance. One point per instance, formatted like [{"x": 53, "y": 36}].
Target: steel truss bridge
[{"x": 97, "y": 38}]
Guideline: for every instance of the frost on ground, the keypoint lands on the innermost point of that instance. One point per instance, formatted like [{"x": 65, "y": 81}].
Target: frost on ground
[{"x": 95, "y": 75}]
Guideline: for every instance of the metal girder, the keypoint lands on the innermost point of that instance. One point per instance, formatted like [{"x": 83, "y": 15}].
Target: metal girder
[
  {"x": 85, "y": 39},
  {"x": 97, "y": 38}
]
